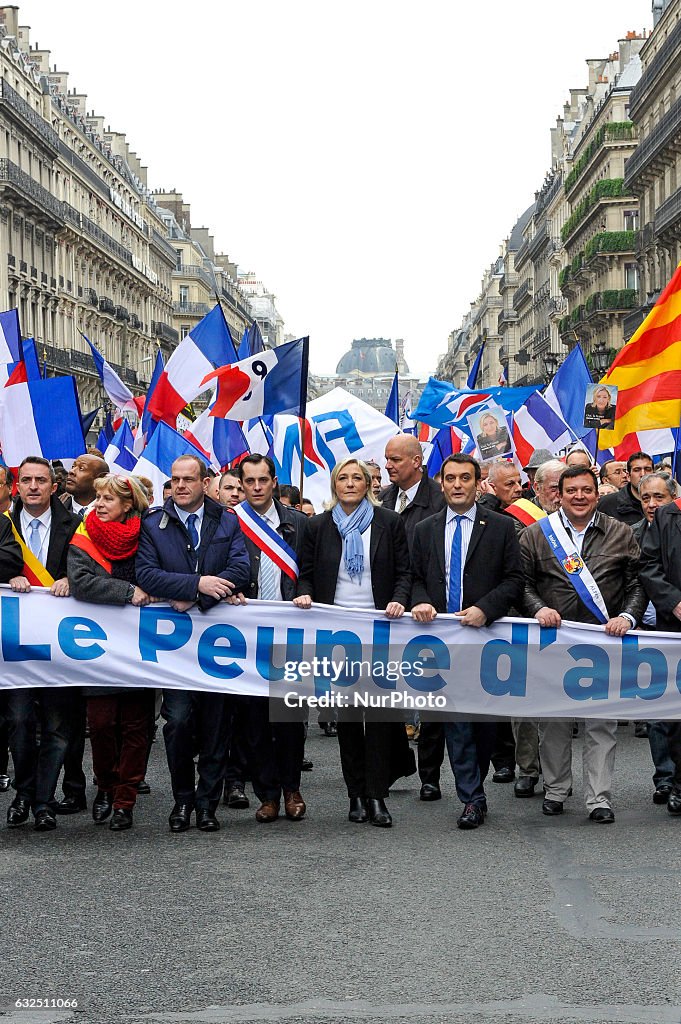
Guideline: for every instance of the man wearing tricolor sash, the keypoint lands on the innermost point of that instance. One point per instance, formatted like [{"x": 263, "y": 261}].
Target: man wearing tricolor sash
[
  {"x": 582, "y": 566},
  {"x": 274, "y": 537},
  {"x": 42, "y": 528}
]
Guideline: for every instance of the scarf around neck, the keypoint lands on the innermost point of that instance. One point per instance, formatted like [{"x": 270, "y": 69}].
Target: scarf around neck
[
  {"x": 351, "y": 527},
  {"x": 116, "y": 541}
]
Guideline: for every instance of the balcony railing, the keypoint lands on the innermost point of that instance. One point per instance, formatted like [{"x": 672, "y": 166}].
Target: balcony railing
[
  {"x": 648, "y": 148},
  {"x": 537, "y": 242},
  {"x": 135, "y": 322},
  {"x": 523, "y": 294},
  {"x": 94, "y": 231},
  {"x": 12, "y": 99},
  {"x": 669, "y": 212},
  {"x": 91, "y": 297},
  {"x": 163, "y": 246},
  {"x": 107, "y": 305},
  {"x": 192, "y": 308},
  {"x": 30, "y": 191},
  {"x": 121, "y": 313},
  {"x": 667, "y": 52},
  {"x": 507, "y": 316},
  {"x": 165, "y": 332}
]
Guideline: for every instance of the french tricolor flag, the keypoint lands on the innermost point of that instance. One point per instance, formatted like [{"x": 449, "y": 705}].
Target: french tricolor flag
[
  {"x": 119, "y": 452},
  {"x": 273, "y": 381},
  {"x": 222, "y": 441},
  {"x": 208, "y": 346},
  {"x": 119, "y": 393},
  {"x": 156, "y": 460},
  {"x": 537, "y": 425},
  {"x": 41, "y": 417}
]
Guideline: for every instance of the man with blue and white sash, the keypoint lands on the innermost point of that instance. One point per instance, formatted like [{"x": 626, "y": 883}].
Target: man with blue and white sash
[{"x": 582, "y": 566}]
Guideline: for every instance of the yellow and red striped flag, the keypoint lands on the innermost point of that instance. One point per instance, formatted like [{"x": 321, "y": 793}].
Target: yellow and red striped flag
[
  {"x": 647, "y": 371},
  {"x": 525, "y": 511}
]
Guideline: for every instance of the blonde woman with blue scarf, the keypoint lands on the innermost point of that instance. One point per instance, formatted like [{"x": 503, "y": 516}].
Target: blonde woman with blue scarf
[{"x": 355, "y": 555}]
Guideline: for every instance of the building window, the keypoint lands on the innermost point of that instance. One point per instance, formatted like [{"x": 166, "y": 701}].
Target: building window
[
  {"x": 178, "y": 261},
  {"x": 184, "y": 295},
  {"x": 184, "y": 331},
  {"x": 631, "y": 276},
  {"x": 631, "y": 220}
]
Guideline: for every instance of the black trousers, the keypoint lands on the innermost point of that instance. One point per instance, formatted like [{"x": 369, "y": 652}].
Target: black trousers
[
  {"x": 74, "y": 783},
  {"x": 503, "y": 754},
  {"x": 674, "y": 741},
  {"x": 365, "y": 757},
  {"x": 238, "y": 728},
  {"x": 36, "y": 768},
  {"x": 431, "y": 751},
  {"x": 275, "y": 752},
  {"x": 195, "y": 720}
]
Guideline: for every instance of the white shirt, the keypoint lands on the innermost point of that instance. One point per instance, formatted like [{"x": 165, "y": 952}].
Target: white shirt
[
  {"x": 184, "y": 516},
  {"x": 576, "y": 536},
  {"x": 272, "y": 519},
  {"x": 82, "y": 510},
  {"x": 355, "y": 592},
  {"x": 45, "y": 521},
  {"x": 411, "y": 494},
  {"x": 467, "y": 522}
]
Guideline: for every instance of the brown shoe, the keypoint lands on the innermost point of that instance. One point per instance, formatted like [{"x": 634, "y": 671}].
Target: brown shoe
[
  {"x": 268, "y": 811},
  {"x": 294, "y": 805}
]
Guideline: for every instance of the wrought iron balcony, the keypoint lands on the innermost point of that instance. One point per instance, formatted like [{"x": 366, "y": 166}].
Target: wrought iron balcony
[
  {"x": 121, "y": 313},
  {"x": 11, "y": 260},
  {"x": 165, "y": 332},
  {"x": 664, "y": 132},
  {"x": 163, "y": 246},
  {"x": 191, "y": 308},
  {"x": 89, "y": 227},
  {"x": 91, "y": 297},
  {"x": 668, "y": 214},
  {"x": 668, "y": 52},
  {"x": 29, "y": 193},
  {"x": 523, "y": 294},
  {"x": 107, "y": 305},
  {"x": 135, "y": 322},
  {"x": 13, "y": 102}
]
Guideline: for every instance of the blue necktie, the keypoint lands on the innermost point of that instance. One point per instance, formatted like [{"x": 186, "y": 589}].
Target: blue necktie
[
  {"x": 192, "y": 531},
  {"x": 454, "y": 599},
  {"x": 34, "y": 542}
]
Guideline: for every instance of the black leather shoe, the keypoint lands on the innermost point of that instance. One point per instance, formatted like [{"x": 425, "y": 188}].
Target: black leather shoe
[
  {"x": 378, "y": 813},
  {"x": 101, "y": 808},
  {"x": 471, "y": 817},
  {"x": 524, "y": 785},
  {"x": 673, "y": 802},
  {"x": 121, "y": 819},
  {"x": 71, "y": 805},
  {"x": 17, "y": 812},
  {"x": 4, "y": 783},
  {"x": 430, "y": 792},
  {"x": 180, "y": 818},
  {"x": 45, "y": 821},
  {"x": 358, "y": 810},
  {"x": 602, "y": 815},
  {"x": 235, "y": 797},
  {"x": 503, "y": 775},
  {"x": 330, "y": 729},
  {"x": 206, "y": 820},
  {"x": 306, "y": 765},
  {"x": 143, "y": 788},
  {"x": 661, "y": 794},
  {"x": 551, "y": 807},
  {"x": 641, "y": 730}
]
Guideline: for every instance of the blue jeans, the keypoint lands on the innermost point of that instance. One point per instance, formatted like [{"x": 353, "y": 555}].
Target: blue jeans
[
  {"x": 36, "y": 768},
  {"x": 658, "y": 737},
  {"x": 470, "y": 746}
]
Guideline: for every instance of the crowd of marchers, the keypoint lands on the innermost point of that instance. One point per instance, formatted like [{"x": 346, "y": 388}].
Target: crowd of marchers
[{"x": 600, "y": 546}]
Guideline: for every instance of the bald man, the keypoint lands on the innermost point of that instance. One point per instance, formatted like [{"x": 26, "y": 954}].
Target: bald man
[
  {"x": 411, "y": 492},
  {"x": 80, "y": 483}
]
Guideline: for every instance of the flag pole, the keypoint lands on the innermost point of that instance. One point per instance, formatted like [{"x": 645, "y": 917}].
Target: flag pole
[
  {"x": 302, "y": 410},
  {"x": 234, "y": 349}
]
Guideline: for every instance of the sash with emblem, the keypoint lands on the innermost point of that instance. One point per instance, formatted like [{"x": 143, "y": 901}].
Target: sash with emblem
[
  {"x": 267, "y": 539},
  {"x": 574, "y": 566},
  {"x": 34, "y": 571}
]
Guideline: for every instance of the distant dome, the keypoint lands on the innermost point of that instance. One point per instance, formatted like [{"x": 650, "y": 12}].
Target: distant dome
[{"x": 370, "y": 355}]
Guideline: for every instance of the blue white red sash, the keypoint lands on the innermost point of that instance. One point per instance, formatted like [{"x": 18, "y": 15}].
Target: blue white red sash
[
  {"x": 268, "y": 540},
  {"x": 573, "y": 565}
]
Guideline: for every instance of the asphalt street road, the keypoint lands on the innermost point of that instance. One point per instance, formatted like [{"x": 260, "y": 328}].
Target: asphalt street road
[{"x": 527, "y": 920}]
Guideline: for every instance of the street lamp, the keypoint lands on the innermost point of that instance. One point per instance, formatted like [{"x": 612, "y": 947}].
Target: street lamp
[
  {"x": 600, "y": 358},
  {"x": 551, "y": 363}
]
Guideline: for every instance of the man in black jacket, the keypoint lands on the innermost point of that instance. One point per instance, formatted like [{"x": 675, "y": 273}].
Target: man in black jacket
[
  {"x": 466, "y": 561},
  {"x": 44, "y": 527},
  {"x": 276, "y": 748},
  {"x": 625, "y": 505},
  {"x": 191, "y": 552},
  {"x": 411, "y": 492}
]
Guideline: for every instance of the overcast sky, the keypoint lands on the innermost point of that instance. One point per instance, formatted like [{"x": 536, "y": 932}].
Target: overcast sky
[{"x": 366, "y": 159}]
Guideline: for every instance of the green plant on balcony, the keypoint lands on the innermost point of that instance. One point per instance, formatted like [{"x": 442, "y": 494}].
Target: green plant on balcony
[
  {"x": 564, "y": 325},
  {"x": 606, "y": 188},
  {"x": 610, "y": 241},
  {"x": 591, "y": 302},
  {"x": 563, "y": 277},
  {"x": 614, "y": 131},
  {"x": 577, "y": 262},
  {"x": 577, "y": 314},
  {"x": 620, "y": 298}
]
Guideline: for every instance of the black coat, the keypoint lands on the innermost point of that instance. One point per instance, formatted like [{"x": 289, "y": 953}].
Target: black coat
[
  {"x": 388, "y": 554},
  {"x": 11, "y": 559},
  {"x": 292, "y": 529},
  {"x": 660, "y": 567},
  {"x": 623, "y": 506},
  {"x": 492, "y": 574},
  {"x": 62, "y": 528},
  {"x": 427, "y": 501}
]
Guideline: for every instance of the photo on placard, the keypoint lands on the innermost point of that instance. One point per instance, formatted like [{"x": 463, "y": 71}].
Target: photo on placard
[
  {"x": 600, "y": 404},
  {"x": 492, "y": 437}
]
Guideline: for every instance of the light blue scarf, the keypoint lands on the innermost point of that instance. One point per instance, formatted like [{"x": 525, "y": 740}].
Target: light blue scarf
[{"x": 351, "y": 529}]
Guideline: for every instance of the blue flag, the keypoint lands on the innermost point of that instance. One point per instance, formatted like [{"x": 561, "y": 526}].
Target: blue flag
[
  {"x": 148, "y": 422},
  {"x": 392, "y": 409},
  {"x": 442, "y": 405},
  {"x": 473, "y": 375}
]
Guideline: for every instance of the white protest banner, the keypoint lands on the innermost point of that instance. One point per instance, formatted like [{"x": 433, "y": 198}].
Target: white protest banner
[{"x": 514, "y": 668}]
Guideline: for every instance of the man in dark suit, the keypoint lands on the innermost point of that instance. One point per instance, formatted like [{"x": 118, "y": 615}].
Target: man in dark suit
[
  {"x": 191, "y": 552},
  {"x": 625, "y": 504},
  {"x": 466, "y": 561},
  {"x": 411, "y": 491},
  {"x": 44, "y": 527},
  {"x": 276, "y": 749}
]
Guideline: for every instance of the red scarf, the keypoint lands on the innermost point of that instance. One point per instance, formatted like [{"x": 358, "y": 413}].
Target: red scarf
[{"x": 116, "y": 541}]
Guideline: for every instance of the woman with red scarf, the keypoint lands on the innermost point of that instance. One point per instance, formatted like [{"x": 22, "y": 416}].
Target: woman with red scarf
[{"x": 101, "y": 568}]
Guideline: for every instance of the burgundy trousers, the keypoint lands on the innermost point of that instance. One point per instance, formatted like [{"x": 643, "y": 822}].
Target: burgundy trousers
[{"x": 119, "y": 734}]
